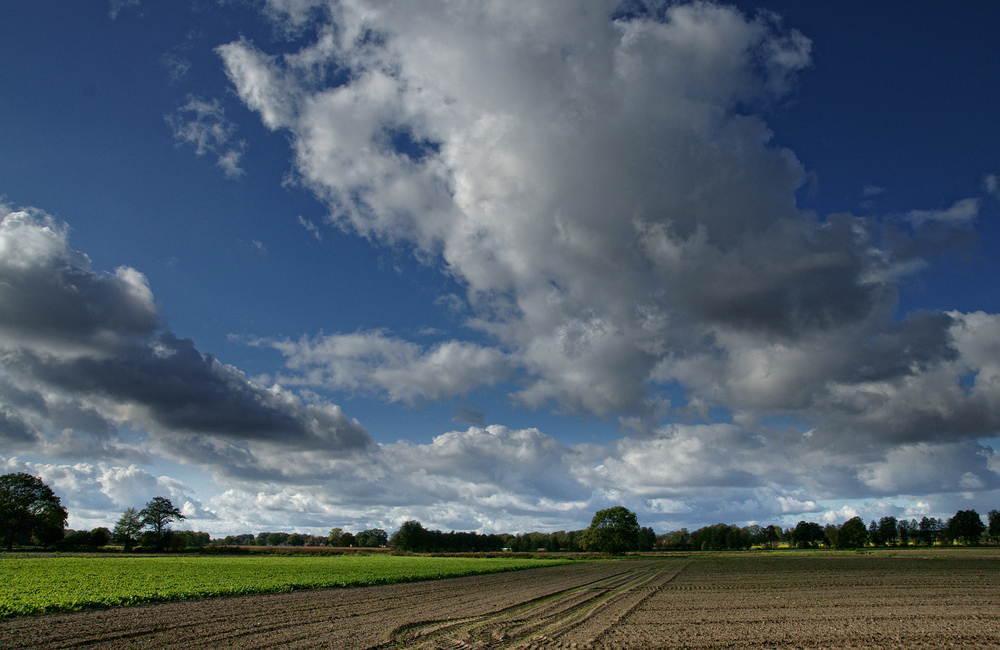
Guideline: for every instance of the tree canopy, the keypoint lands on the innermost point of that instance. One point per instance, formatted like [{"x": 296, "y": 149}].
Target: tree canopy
[
  {"x": 29, "y": 507},
  {"x": 614, "y": 531}
]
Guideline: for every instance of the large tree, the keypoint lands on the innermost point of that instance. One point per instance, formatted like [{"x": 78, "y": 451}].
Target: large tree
[
  {"x": 29, "y": 507},
  {"x": 612, "y": 531},
  {"x": 157, "y": 515}
]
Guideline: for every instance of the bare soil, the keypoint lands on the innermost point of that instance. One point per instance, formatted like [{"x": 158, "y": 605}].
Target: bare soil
[{"x": 773, "y": 600}]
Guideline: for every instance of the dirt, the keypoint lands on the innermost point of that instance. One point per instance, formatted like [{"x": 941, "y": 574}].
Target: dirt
[{"x": 700, "y": 601}]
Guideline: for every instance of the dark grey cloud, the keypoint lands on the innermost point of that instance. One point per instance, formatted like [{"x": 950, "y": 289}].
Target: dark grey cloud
[
  {"x": 800, "y": 276},
  {"x": 14, "y": 431},
  {"x": 82, "y": 335},
  {"x": 908, "y": 347},
  {"x": 184, "y": 389},
  {"x": 54, "y": 298}
]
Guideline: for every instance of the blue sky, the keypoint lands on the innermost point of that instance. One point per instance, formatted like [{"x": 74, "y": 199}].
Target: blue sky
[{"x": 299, "y": 264}]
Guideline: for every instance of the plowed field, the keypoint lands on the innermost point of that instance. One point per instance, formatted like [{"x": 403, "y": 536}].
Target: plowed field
[{"x": 776, "y": 600}]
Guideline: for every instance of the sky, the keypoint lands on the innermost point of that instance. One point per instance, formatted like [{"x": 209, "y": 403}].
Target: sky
[{"x": 494, "y": 266}]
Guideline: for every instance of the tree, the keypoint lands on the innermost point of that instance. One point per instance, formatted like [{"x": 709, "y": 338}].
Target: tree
[
  {"x": 92, "y": 539},
  {"x": 907, "y": 530},
  {"x": 807, "y": 533},
  {"x": 772, "y": 535},
  {"x": 29, "y": 507},
  {"x": 718, "y": 537},
  {"x": 994, "y": 526},
  {"x": 127, "y": 529},
  {"x": 612, "y": 531},
  {"x": 100, "y": 537},
  {"x": 928, "y": 530},
  {"x": 852, "y": 534},
  {"x": 572, "y": 541},
  {"x": 676, "y": 540},
  {"x": 372, "y": 538},
  {"x": 873, "y": 535},
  {"x": 888, "y": 530},
  {"x": 193, "y": 539},
  {"x": 411, "y": 536},
  {"x": 157, "y": 515},
  {"x": 966, "y": 526},
  {"x": 647, "y": 538}
]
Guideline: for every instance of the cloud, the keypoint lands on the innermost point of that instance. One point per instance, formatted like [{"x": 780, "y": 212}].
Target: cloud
[
  {"x": 203, "y": 123},
  {"x": 401, "y": 371},
  {"x": 538, "y": 153},
  {"x": 118, "y": 5},
  {"x": 469, "y": 416},
  {"x": 961, "y": 212},
  {"x": 49, "y": 297},
  {"x": 497, "y": 479},
  {"x": 919, "y": 468},
  {"x": 794, "y": 506},
  {"x": 680, "y": 458},
  {"x": 991, "y": 184},
  {"x": 83, "y": 352},
  {"x": 176, "y": 64},
  {"x": 606, "y": 187},
  {"x": 310, "y": 227}
]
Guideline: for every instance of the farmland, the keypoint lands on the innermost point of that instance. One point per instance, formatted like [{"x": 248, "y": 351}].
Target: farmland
[
  {"x": 918, "y": 598},
  {"x": 34, "y": 585}
]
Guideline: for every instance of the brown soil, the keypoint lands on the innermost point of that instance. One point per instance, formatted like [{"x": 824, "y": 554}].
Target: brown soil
[{"x": 702, "y": 601}]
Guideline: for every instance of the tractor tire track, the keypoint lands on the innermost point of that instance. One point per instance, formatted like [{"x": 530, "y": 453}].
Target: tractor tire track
[{"x": 574, "y": 617}]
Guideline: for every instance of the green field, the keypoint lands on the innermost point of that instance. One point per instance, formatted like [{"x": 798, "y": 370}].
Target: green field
[{"x": 35, "y": 585}]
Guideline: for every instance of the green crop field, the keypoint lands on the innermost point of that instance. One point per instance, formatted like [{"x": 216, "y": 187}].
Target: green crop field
[{"x": 35, "y": 585}]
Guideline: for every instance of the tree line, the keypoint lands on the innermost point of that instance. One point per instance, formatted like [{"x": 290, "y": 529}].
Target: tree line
[
  {"x": 966, "y": 528},
  {"x": 32, "y": 515},
  {"x": 615, "y": 530}
]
